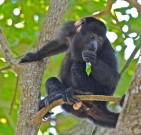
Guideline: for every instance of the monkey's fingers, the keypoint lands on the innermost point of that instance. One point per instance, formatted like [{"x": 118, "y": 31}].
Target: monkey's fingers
[
  {"x": 69, "y": 96},
  {"x": 47, "y": 115},
  {"x": 72, "y": 97}
]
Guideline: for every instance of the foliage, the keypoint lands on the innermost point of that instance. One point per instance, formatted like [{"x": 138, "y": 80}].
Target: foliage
[{"x": 22, "y": 30}]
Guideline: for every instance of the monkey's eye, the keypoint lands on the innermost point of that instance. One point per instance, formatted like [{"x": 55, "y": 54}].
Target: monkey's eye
[
  {"x": 99, "y": 40},
  {"x": 91, "y": 37}
]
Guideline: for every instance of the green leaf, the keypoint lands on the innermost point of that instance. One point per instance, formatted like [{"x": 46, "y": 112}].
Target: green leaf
[{"x": 88, "y": 68}]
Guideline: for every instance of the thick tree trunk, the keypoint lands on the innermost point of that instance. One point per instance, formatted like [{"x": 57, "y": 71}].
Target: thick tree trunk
[
  {"x": 130, "y": 119},
  {"x": 30, "y": 82}
]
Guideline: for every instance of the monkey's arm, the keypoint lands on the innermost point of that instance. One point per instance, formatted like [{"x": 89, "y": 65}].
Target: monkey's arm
[
  {"x": 59, "y": 45},
  {"x": 51, "y": 48},
  {"x": 104, "y": 74}
]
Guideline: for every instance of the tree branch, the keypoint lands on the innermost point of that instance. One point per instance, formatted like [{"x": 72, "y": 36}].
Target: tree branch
[
  {"x": 6, "y": 51},
  {"x": 14, "y": 96},
  {"x": 53, "y": 25},
  {"x": 130, "y": 58},
  {"x": 37, "y": 118},
  {"x": 5, "y": 68},
  {"x": 135, "y": 4},
  {"x": 106, "y": 11}
]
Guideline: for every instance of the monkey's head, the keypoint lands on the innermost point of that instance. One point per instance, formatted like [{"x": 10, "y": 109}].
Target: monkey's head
[{"x": 90, "y": 35}]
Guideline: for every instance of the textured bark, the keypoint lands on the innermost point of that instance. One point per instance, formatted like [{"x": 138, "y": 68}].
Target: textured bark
[
  {"x": 30, "y": 74},
  {"x": 30, "y": 82},
  {"x": 130, "y": 119}
]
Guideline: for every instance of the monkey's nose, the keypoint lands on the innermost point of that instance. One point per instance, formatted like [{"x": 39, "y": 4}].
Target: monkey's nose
[{"x": 93, "y": 45}]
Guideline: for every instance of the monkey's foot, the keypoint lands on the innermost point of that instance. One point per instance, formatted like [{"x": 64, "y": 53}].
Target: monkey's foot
[
  {"x": 48, "y": 114},
  {"x": 70, "y": 98}
]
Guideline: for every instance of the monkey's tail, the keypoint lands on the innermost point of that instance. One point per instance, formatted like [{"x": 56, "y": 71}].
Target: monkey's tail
[{"x": 103, "y": 117}]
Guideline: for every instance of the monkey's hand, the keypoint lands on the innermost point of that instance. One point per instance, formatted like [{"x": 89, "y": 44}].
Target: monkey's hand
[
  {"x": 29, "y": 57},
  {"x": 70, "y": 98},
  {"x": 89, "y": 56}
]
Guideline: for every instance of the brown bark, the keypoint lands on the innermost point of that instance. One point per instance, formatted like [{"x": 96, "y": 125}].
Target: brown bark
[
  {"x": 30, "y": 74},
  {"x": 106, "y": 11},
  {"x": 130, "y": 119}
]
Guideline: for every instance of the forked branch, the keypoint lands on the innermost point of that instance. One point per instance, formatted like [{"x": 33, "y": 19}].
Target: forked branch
[
  {"x": 130, "y": 58},
  {"x": 6, "y": 51}
]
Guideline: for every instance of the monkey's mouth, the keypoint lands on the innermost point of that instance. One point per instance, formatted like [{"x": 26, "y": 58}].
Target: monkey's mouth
[{"x": 91, "y": 49}]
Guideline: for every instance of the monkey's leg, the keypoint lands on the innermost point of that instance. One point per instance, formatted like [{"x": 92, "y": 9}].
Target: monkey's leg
[{"x": 54, "y": 90}]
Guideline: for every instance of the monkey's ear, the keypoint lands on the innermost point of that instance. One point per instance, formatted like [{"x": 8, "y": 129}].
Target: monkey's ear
[{"x": 78, "y": 25}]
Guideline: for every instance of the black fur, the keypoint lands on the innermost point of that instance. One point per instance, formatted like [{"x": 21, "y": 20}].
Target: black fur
[
  {"x": 86, "y": 43},
  {"x": 59, "y": 45}
]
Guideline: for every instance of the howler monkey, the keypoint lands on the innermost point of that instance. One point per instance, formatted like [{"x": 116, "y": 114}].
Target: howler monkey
[{"x": 84, "y": 41}]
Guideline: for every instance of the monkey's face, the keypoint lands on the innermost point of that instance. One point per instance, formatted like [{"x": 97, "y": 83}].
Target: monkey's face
[
  {"x": 91, "y": 36},
  {"x": 84, "y": 42}
]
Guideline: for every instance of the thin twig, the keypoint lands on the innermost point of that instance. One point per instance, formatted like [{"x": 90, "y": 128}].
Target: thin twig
[
  {"x": 37, "y": 118},
  {"x": 130, "y": 58},
  {"x": 135, "y": 4},
  {"x": 118, "y": 24},
  {"x": 14, "y": 96},
  {"x": 106, "y": 11},
  {"x": 5, "y": 68}
]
